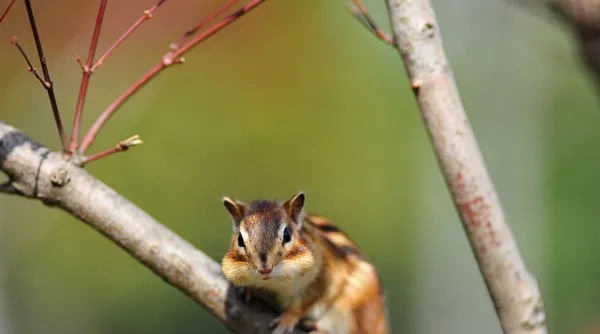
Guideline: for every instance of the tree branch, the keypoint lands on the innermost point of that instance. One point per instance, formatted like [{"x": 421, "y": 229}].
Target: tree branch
[
  {"x": 122, "y": 146},
  {"x": 514, "y": 291},
  {"x": 175, "y": 56},
  {"x": 3, "y": 16},
  {"x": 147, "y": 15},
  {"x": 30, "y": 67},
  {"x": 359, "y": 11},
  {"x": 36, "y": 172},
  {"x": 49, "y": 85},
  {"x": 86, "y": 70}
]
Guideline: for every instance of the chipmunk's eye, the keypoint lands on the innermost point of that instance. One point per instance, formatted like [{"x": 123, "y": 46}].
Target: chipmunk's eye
[
  {"x": 241, "y": 241},
  {"x": 287, "y": 235}
]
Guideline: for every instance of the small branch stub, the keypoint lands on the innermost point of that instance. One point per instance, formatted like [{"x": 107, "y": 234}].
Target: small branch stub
[
  {"x": 84, "y": 68},
  {"x": 30, "y": 67},
  {"x": 122, "y": 146},
  {"x": 59, "y": 177}
]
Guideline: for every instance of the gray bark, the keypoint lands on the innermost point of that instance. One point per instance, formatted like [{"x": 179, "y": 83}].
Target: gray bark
[
  {"x": 36, "y": 172},
  {"x": 514, "y": 291}
]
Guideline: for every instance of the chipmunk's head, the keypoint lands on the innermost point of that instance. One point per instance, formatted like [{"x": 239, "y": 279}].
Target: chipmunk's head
[{"x": 267, "y": 242}]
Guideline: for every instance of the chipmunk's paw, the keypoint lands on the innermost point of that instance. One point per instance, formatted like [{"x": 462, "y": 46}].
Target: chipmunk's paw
[{"x": 285, "y": 323}]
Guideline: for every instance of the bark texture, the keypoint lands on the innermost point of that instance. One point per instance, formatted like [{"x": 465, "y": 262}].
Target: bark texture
[
  {"x": 513, "y": 289},
  {"x": 36, "y": 172}
]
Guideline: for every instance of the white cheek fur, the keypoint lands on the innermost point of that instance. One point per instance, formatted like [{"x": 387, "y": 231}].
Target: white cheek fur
[{"x": 277, "y": 271}]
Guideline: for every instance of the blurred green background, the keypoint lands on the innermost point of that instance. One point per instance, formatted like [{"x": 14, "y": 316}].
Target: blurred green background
[{"x": 298, "y": 96}]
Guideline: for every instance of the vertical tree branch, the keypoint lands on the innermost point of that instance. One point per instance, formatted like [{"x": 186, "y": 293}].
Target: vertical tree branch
[
  {"x": 85, "y": 79},
  {"x": 514, "y": 291},
  {"x": 46, "y": 72}
]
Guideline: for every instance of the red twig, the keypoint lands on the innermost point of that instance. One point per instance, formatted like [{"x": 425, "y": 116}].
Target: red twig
[
  {"x": 122, "y": 146},
  {"x": 49, "y": 86},
  {"x": 173, "y": 57},
  {"x": 359, "y": 11},
  {"x": 148, "y": 13},
  {"x": 86, "y": 77},
  {"x": 202, "y": 24},
  {"x": 175, "y": 54},
  {"x": 10, "y": 4},
  {"x": 30, "y": 67}
]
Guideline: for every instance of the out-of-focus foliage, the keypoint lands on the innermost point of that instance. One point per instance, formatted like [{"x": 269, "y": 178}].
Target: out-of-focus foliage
[{"x": 299, "y": 96}]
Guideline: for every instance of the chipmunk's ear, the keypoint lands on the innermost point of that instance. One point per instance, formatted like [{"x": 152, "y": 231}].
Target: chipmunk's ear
[
  {"x": 293, "y": 207},
  {"x": 236, "y": 210}
]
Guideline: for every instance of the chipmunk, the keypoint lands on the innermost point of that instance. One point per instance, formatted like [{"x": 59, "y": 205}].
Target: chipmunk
[{"x": 314, "y": 271}]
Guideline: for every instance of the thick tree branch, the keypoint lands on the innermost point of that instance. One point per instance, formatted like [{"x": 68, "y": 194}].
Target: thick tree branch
[
  {"x": 36, "y": 172},
  {"x": 514, "y": 291}
]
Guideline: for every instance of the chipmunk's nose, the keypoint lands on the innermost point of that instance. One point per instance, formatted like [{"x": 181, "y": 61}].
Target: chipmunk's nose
[{"x": 265, "y": 271}]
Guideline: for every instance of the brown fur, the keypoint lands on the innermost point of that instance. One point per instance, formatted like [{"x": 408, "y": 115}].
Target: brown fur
[
  {"x": 361, "y": 291},
  {"x": 324, "y": 273}
]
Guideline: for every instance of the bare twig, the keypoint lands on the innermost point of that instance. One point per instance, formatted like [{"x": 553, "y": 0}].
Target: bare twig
[
  {"x": 10, "y": 4},
  {"x": 513, "y": 289},
  {"x": 148, "y": 13},
  {"x": 122, "y": 146},
  {"x": 171, "y": 58},
  {"x": 202, "y": 24},
  {"x": 49, "y": 85},
  {"x": 112, "y": 108},
  {"x": 85, "y": 78},
  {"x": 175, "y": 54},
  {"x": 359, "y": 11},
  {"x": 30, "y": 67},
  {"x": 40, "y": 174}
]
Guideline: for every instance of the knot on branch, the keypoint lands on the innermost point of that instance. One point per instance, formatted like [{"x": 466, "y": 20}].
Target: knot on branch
[{"x": 59, "y": 177}]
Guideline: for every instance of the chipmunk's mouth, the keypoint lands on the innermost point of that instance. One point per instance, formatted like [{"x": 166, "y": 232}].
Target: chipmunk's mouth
[{"x": 265, "y": 273}]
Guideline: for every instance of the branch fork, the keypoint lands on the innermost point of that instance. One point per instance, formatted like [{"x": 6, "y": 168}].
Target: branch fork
[
  {"x": 47, "y": 176},
  {"x": 54, "y": 179},
  {"x": 76, "y": 149}
]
